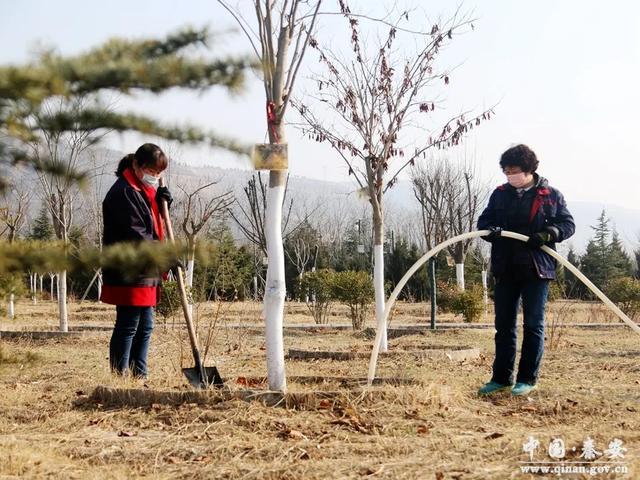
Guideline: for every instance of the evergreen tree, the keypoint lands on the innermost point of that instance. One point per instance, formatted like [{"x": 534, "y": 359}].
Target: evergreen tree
[
  {"x": 41, "y": 228},
  {"x": 125, "y": 66},
  {"x": 619, "y": 258},
  {"x": 401, "y": 257},
  {"x": 573, "y": 288},
  {"x": 604, "y": 259},
  {"x": 595, "y": 262}
]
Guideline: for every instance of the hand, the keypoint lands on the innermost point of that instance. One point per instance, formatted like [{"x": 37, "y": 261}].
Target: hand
[
  {"x": 539, "y": 239},
  {"x": 494, "y": 233},
  {"x": 163, "y": 193},
  {"x": 175, "y": 264}
]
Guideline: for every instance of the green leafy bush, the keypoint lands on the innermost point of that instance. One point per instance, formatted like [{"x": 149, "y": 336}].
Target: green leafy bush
[
  {"x": 169, "y": 303},
  {"x": 446, "y": 293},
  {"x": 556, "y": 292},
  {"x": 625, "y": 293},
  {"x": 468, "y": 303},
  {"x": 319, "y": 284},
  {"x": 354, "y": 289}
]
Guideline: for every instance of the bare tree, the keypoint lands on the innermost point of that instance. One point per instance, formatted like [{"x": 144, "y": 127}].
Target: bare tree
[
  {"x": 430, "y": 184},
  {"x": 198, "y": 211},
  {"x": 280, "y": 42},
  {"x": 375, "y": 98},
  {"x": 61, "y": 148},
  {"x": 249, "y": 211},
  {"x": 97, "y": 166},
  {"x": 450, "y": 196},
  {"x": 14, "y": 206},
  {"x": 300, "y": 247}
]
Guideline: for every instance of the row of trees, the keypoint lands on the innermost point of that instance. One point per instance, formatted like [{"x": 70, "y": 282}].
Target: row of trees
[
  {"x": 604, "y": 261},
  {"x": 236, "y": 267},
  {"x": 55, "y": 108},
  {"x": 375, "y": 105}
]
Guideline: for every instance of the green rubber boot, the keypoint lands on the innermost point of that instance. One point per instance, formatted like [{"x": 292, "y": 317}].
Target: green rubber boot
[
  {"x": 520, "y": 389},
  {"x": 492, "y": 387}
]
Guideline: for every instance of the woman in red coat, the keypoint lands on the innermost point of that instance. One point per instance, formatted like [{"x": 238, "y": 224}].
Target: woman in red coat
[{"x": 131, "y": 212}]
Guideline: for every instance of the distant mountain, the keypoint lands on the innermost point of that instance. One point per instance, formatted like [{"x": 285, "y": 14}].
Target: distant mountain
[{"x": 309, "y": 192}]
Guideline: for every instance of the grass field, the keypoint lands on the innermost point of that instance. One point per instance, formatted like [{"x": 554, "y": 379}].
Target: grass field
[{"x": 589, "y": 387}]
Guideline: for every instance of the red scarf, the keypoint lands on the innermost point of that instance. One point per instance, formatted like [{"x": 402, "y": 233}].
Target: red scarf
[{"x": 150, "y": 193}]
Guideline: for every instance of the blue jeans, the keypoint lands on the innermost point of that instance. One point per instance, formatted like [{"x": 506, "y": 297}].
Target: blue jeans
[
  {"x": 508, "y": 292},
  {"x": 130, "y": 340}
]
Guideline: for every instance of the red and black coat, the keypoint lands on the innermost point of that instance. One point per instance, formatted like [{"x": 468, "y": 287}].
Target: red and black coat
[
  {"x": 540, "y": 208},
  {"x": 131, "y": 214}
]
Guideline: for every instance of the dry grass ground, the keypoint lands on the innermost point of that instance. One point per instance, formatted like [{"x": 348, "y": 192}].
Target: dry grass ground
[{"x": 589, "y": 387}]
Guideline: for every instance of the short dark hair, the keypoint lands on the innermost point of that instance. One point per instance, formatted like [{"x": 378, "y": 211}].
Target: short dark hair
[
  {"x": 147, "y": 155},
  {"x": 520, "y": 156}
]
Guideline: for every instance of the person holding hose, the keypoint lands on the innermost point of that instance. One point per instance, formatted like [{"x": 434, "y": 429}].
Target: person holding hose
[
  {"x": 526, "y": 204},
  {"x": 131, "y": 213}
]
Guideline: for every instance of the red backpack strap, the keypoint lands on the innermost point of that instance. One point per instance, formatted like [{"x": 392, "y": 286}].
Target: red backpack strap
[{"x": 537, "y": 202}]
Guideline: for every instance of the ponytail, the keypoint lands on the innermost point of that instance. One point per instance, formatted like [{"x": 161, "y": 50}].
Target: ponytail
[
  {"x": 125, "y": 163},
  {"x": 148, "y": 155}
]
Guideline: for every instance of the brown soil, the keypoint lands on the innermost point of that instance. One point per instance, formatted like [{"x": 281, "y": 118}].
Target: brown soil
[{"x": 437, "y": 428}]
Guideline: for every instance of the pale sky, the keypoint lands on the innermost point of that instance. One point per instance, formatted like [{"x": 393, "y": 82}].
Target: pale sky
[{"x": 566, "y": 74}]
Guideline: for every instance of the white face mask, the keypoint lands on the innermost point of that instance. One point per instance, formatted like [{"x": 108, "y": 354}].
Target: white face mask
[
  {"x": 518, "y": 180},
  {"x": 150, "y": 180}
]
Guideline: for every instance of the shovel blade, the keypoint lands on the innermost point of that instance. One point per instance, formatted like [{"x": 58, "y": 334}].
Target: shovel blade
[{"x": 212, "y": 377}]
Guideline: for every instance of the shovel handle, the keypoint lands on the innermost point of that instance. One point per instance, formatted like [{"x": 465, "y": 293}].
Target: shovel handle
[{"x": 164, "y": 209}]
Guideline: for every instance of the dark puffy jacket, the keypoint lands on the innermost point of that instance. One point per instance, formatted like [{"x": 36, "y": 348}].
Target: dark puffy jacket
[
  {"x": 127, "y": 214},
  {"x": 540, "y": 208}
]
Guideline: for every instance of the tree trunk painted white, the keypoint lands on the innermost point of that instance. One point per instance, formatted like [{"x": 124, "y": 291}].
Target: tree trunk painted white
[
  {"x": 255, "y": 288},
  {"x": 51, "y": 278},
  {"x": 460, "y": 275},
  {"x": 62, "y": 301},
  {"x": 33, "y": 278},
  {"x": 301, "y": 298},
  {"x": 190, "y": 264},
  {"x": 41, "y": 289},
  {"x": 378, "y": 285},
  {"x": 99, "y": 286},
  {"x": 485, "y": 292},
  {"x": 11, "y": 311},
  {"x": 275, "y": 288},
  {"x": 190, "y": 272}
]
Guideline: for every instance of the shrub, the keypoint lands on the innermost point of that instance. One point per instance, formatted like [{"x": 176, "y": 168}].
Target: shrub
[
  {"x": 556, "y": 292},
  {"x": 625, "y": 293},
  {"x": 469, "y": 303},
  {"x": 319, "y": 284},
  {"x": 169, "y": 303},
  {"x": 354, "y": 289},
  {"x": 445, "y": 295}
]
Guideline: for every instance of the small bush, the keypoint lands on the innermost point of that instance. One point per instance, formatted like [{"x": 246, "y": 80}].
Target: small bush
[
  {"x": 468, "y": 303},
  {"x": 169, "y": 303},
  {"x": 625, "y": 293},
  {"x": 446, "y": 294},
  {"x": 319, "y": 284},
  {"x": 354, "y": 289},
  {"x": 556, "y": 292}
]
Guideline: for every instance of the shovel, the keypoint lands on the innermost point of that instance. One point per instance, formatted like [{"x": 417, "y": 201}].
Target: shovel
[{"x": 199, "y": 376}]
